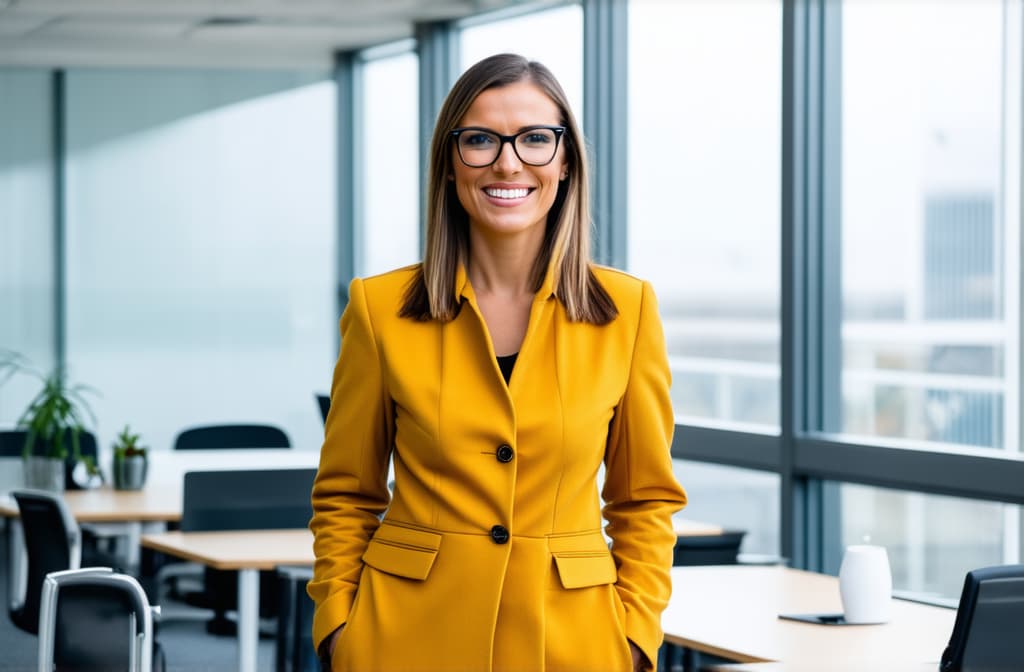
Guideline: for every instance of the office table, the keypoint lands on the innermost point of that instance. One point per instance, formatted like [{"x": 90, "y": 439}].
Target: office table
[
  {"x": 732, "y": 611},
  {"x": 130, "y": 512},
  {"x": 831, "y": 667},
  {"x": 248, "y": 552}
]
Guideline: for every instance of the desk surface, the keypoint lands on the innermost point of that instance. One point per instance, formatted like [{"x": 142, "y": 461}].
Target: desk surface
[
  {"x": 265, "y": 549},
  {"x": 693, "y": 528},
  {"x": 732, "y": 611},
  {"x": 240, "y": 549},
  {"x": 160, "y": 500},
  {"x": 831, "y": 666}
]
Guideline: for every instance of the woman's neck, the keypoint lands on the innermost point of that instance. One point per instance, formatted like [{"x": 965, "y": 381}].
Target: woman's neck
[{"x": 503, "y": 266}]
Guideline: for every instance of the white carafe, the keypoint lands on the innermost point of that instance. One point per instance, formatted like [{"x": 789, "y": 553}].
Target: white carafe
[{"x": 865, "y": 584}]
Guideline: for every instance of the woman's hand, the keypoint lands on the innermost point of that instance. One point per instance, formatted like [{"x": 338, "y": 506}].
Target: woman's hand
[
  {"x": 334, "y": 640},
  {"x": 639, "y": 659}
]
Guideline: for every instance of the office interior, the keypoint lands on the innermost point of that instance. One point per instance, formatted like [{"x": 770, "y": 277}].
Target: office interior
[{"x": 825, "y": 195}]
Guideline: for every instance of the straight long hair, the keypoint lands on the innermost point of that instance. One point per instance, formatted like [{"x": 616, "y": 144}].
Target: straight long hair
[{"x": 566, "y": 247}]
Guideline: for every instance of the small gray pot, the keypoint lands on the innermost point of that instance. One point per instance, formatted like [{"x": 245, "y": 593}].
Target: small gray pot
[
  {"x": 44, "y": 473},
  {"x": 130, "y": 472}
]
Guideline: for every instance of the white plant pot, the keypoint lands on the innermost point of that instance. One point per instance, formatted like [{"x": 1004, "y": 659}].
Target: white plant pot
[{"x": 44, "y": 473}]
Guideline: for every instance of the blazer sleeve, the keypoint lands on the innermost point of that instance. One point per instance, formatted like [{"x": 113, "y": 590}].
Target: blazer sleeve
[
  {"x": 640, "y": 490},
  {"x": 350, "y": 490}
]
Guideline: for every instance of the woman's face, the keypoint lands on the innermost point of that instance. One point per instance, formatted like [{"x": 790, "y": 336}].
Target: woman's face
[{"x": 509, "y": 197}]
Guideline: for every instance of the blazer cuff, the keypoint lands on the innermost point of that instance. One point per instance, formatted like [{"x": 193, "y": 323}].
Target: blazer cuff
[
  {"x": 647, "y": 636},
  {"x": 330, "y": 615}
]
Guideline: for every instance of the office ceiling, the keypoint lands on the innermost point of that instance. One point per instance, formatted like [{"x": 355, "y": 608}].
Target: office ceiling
[{"x": 210, "y": 33}]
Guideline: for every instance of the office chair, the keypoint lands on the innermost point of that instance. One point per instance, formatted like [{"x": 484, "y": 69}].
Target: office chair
[
  {"x": 231, "y": 436},
  {"x": 214, "y": 437},
  {"x": 52, "y": 542},
  {"x": 324, "y": 403},
  {"x": 711, "y": 549},
  {"x": 96, "y": 619},
  {"x": 295, "y": 650},
  {"x": 12, "y": 442},
  {"x": 987, "y": 632},
  {"x": 266, "y": 499}
]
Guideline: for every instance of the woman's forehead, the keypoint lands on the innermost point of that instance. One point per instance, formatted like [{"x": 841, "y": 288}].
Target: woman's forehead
[{"x": 511, "y": 107}]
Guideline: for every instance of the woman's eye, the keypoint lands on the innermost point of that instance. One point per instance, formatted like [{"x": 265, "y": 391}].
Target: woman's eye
[
  {"x": 537, "y": 138},
  {"x": 477, "y": 139}
]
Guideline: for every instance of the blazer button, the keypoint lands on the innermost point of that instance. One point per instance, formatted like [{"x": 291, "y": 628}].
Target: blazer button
[
  {"x": 499, "y": 534},
  {"x": 505, "y": 453}
]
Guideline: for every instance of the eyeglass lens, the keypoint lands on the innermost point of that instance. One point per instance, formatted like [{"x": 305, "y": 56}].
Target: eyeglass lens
[{"x": 533, "y": 146}]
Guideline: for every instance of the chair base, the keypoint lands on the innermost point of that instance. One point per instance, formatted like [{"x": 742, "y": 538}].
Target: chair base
[{"x": 222, "y": 626}]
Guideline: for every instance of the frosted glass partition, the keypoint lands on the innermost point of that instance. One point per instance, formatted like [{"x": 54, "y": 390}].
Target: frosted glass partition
[
  {"x": 26, "y": 230},
  {"x": 201, "y": 248},
  {"x": 931, "y": 161},
  {"x": 705, "y": 101},
  {"x": 553, "y": 36},
  {"x": 389, "y": 226}
]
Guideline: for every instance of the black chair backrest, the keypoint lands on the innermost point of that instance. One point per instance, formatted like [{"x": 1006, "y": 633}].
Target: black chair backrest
[
  {"x": 707, "y": 549},
  {"x": 324, "y": 402},
  {"x": 232, "y": 436},
  {"x": 987, "y": 633},
  {"x": 95, "y": 619},
  {"x": 94, "y": 626},
  {"x": 12, "y": 443},
  {"x": 262, "y": 499},
  {"x": 50, "y": 546}
]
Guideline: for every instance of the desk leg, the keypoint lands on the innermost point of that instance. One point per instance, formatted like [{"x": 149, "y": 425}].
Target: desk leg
[
  {"x": 248, "y": 618},
  {"x": 133, "y": 553},
  {"x": 17, "y": 580}
]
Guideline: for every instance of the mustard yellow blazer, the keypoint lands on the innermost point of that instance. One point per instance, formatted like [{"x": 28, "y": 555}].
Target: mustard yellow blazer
[{"x": 490, "y": 556}]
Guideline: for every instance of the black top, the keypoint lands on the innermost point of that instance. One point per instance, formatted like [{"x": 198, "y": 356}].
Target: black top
[{"x": 505, "y": 363}]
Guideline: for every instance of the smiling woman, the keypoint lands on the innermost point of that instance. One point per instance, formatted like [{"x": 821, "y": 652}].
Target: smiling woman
[{"x": 499, "y": 374}]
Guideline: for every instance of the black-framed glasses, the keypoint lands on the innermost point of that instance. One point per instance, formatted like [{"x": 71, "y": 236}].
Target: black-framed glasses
[{"x": 480, "y": 147}]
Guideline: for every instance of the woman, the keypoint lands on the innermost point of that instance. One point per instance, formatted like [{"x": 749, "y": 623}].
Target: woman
[{"x": 498, "y": 374}]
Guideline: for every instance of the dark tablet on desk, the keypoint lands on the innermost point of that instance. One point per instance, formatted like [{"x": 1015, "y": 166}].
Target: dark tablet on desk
[{"x": 818, "y": 619}]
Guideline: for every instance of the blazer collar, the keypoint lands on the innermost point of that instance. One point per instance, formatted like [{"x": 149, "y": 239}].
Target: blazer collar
[{"x": 464, "y": 289}]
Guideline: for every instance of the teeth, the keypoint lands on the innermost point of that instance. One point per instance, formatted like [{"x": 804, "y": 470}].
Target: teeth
[{"x": 507, "y": 193}]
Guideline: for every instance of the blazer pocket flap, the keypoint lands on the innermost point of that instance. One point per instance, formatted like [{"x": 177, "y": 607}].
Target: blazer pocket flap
[
  {"x": 580, "y": 570},
  {"x": 402, "y": 551}
]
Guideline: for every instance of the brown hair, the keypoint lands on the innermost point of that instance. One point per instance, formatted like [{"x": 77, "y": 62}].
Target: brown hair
[{"x": 566, "y": 247}]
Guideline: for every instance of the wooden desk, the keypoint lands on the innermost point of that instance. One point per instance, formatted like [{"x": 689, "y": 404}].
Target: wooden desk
[
  {"x": 127, "y": 512},
  {"x": 831, "y": 667},
  {"x": 247, "y": 551},
  {"x": 160, "y": 500},
  {"x": 732, "y": 612}
]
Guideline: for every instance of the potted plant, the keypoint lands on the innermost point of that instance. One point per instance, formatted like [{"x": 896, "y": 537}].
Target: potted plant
[
  {"x": 130, "y": 461},
  {"x": 53, "y": 423}
]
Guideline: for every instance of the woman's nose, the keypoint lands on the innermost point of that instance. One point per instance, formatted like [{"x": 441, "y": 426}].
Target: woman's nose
[{"x": 507, "y": 161}]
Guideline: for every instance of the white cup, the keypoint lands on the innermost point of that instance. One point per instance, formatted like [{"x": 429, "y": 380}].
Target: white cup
[{"x": 865, "y": 584}]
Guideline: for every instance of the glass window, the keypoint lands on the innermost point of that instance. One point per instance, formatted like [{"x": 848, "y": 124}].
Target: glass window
[
  {"x": 27, "y": 280},
  {"x": 553, "y": 36},
  {"x": 201, "y": 248},
  {"x": 704, "y": 208},
  {"x": 736, "y": 499},
  {"x": 932, "y": 541},
  {"x": 389, "y": 165},
  {"x": 930, "y": 222}
]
